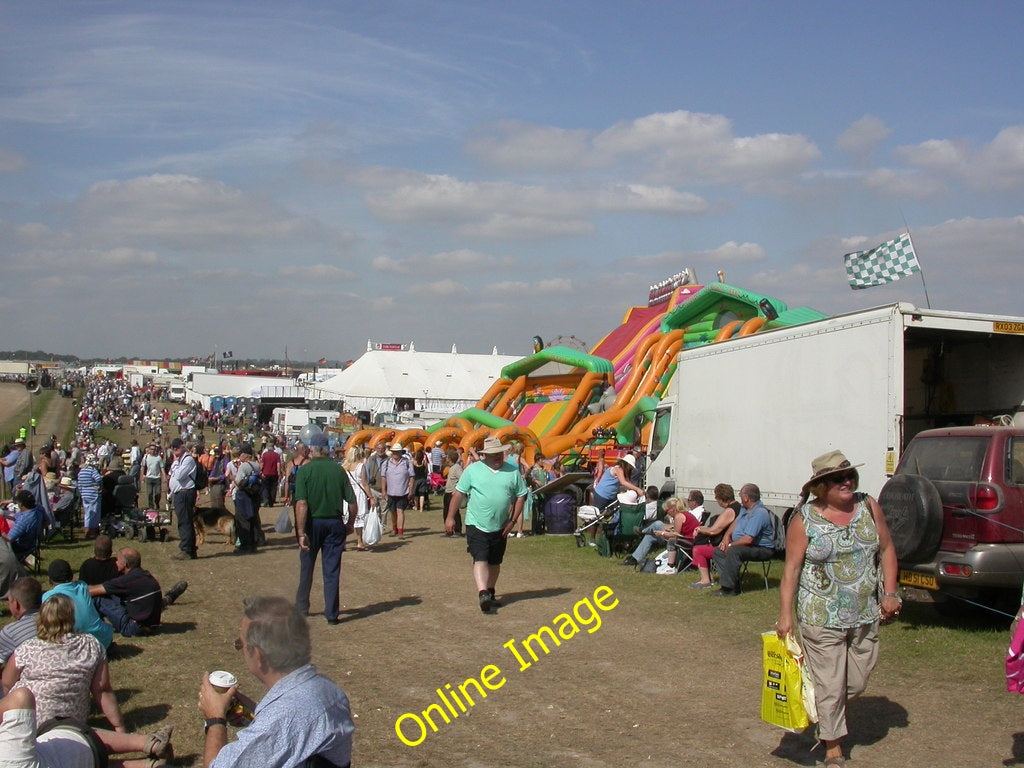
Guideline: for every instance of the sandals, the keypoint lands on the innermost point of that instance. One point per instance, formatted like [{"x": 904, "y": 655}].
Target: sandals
[{"x": 159, "y": 745}]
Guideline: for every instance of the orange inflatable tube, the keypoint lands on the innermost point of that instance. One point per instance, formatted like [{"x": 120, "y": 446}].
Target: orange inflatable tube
[
  {"x": 526, "y": 436},
  {"x": 360, "y": 437},
  {"x": 501, "y": 408},
  {"x": 752, "y": 326},
  {"x": 445, "y": 435},
  {"x": 580, "y": 397},
  {"x": 473, "y": 438},
  {"x": 492, "y": 393},
  {"x": 458, "y": 422},
  {"x": 386, "y": 436},
  {"x": 409, "y": 437},
  {"x": 625, "y": 391},
  {"x": 728, "y": 330}
]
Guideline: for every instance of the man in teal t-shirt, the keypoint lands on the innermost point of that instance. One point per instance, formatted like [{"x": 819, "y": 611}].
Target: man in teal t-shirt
[{"x": 496, "y": 491}]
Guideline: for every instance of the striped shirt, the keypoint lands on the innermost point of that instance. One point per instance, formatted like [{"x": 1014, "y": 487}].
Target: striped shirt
[
  {"x": 89, "y": 481},
  {"x": 16, "y": 633}
]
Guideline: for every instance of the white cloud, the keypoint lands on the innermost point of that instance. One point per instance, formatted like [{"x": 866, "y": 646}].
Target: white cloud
[
  {"x": 664, "y": 147},
  {"x": 904, "y": 183},
  {"x": 863, "y": 137},
  {"x": 462, "y": 260},
  {"x": 440, "y": 288},
  {"x": 997, "y": 166},
  {"x": 732, "y": 252},
  {"x": 506, "y": 210},
  {"x": 180, "y": 212},
  {"x": 516, "y": 145},
  {"x": 320, "y": 273}
]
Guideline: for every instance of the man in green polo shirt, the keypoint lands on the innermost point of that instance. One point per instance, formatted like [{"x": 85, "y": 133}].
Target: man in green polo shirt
[
  {"x": 320, "y": 488},
  {"x": 496, "y": 491}
]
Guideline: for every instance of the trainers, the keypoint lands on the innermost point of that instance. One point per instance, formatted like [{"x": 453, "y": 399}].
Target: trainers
[
  {"x": 175, "y": 592},
  {"x": 485, "y": 602},
  {"x": 495, "y": 602},
  {"x": 183, "y": 556},
  {"x": 667, "y": 570},
  {"x": 592, "y": 544},
  {"x": 701, "y": 585},
  {"x": 630, "y": 561}
]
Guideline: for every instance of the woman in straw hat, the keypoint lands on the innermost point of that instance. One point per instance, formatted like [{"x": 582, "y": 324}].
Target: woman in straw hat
[{"x": 834, "y": 545}]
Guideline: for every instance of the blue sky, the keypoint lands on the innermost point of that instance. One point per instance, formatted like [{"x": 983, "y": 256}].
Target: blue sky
[{"x": 182, "y": 178}]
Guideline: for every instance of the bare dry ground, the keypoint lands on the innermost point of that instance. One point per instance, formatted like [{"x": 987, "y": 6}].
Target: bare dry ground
[{"x": 671, "y": 676}]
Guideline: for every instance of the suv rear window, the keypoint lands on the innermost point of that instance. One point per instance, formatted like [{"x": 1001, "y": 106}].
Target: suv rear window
[
  {"x": 946, "y": 458},
  {"x": 1016, "y": 473}
]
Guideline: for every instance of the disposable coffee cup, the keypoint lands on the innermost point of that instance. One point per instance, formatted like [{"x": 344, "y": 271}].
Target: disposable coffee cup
[{"x": 222, "y": 681}]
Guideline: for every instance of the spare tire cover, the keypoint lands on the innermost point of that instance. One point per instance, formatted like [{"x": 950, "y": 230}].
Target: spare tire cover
[{"x": 913, "y": 511}]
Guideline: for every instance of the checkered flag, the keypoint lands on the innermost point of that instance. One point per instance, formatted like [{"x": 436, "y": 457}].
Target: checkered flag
[{"x": 888, "y": 262}]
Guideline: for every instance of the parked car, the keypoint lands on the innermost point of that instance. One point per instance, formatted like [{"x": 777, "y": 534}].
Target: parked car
[{"x": 955, "y": 507}]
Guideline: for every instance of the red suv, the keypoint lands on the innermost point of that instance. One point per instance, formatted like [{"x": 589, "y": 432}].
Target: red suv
[{"x": 955, "y": 508}]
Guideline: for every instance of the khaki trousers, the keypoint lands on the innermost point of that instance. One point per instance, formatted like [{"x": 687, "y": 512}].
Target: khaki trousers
[{"x": 840, "y": 662}]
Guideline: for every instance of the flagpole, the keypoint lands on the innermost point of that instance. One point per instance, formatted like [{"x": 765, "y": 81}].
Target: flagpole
[{"x": 924, "y": 285}]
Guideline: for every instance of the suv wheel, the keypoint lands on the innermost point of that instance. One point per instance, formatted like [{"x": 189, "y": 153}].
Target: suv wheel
[{"x": 913, "y": 511}]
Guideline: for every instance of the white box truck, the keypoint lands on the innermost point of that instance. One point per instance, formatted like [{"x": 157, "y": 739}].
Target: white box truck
[
  {"x": 289, "y": 421},
  {"x": 758, "y": 409}
]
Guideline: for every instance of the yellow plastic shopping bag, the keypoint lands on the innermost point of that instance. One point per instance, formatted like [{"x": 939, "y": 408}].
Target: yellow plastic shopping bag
[{"x": 782, "y": 687}]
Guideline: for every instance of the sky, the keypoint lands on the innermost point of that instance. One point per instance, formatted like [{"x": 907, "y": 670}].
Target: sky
[{"x": 180, "y": 179}]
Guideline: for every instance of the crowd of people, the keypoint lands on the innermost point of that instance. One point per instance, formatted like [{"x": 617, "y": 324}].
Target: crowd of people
[{"x": 328, "y": 494}]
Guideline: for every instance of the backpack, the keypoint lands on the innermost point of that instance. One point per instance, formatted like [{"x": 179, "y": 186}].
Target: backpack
[
  {"x": 202, "y": 477},
  {"x": 253, "y": 485}
]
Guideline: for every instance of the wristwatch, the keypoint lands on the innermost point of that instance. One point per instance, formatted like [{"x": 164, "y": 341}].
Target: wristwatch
[{"x": 212, "y": 721}]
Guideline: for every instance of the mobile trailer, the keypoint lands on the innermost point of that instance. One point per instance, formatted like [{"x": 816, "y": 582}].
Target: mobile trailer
[{"x": 758, "y": 409}]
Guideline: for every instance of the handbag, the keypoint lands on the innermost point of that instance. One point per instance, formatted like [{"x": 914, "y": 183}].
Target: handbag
[
  {"x": 781, "y": 686},
  {"x": 371, "y": 528},
  {"x": 1015, "y": 660}
]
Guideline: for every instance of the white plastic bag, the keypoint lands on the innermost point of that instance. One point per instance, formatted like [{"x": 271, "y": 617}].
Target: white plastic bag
[{"x": 371, "y": 528}]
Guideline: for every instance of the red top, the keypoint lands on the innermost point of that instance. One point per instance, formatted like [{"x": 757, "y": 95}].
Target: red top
[{"x": 270, "y": 463}]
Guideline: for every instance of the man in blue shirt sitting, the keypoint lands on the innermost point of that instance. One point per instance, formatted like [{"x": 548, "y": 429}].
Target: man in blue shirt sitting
[
  {"x": 28, "y": 526},
  {"x": 751, "y": 537},
  {"x": 304, "y": 718}
]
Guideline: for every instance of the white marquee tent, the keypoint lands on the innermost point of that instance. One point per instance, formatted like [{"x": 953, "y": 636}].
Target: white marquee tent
[{"x": 438, "y": 382}]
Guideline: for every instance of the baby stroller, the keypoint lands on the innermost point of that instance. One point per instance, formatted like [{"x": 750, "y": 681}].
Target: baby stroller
[
  {"x": 128, "y": 520},
  {"x": 594, "y": 518}
]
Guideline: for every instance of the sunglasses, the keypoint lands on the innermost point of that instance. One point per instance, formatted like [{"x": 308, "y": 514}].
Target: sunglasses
[{"x": 840, "y": 479}]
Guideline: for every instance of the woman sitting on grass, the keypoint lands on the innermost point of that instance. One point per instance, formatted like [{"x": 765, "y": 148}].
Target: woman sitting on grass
[{"x": 62, "y": 667}]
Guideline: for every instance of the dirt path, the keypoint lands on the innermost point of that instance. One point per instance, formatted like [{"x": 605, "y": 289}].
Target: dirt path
[
  {"x": 667, "y": 679},
  {"x": 54, "y": 418},
  {"x": 659, "y": 682}
]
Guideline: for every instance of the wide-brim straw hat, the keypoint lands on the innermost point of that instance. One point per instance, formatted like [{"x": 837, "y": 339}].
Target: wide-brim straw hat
[
  {"x": 830, "y": 463},
  {"x": 493, "y": 445}
]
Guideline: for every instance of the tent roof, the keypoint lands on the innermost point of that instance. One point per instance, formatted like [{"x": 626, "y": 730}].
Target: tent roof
[{"x": 423, "y": 375}]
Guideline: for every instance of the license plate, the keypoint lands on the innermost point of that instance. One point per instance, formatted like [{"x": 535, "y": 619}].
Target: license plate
[{"x": 915, "y": 579}]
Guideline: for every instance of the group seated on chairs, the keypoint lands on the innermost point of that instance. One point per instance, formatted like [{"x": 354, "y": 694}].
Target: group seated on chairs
[
  {"x": 676, "y": 531},
  {"x": 751, "y": 537}
]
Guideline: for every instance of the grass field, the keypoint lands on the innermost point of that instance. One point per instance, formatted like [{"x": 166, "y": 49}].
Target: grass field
[{"x": 671, "y": 676}]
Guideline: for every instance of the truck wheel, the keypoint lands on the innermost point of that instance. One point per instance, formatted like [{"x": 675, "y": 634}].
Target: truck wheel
[{"x": 913, "y": 511}]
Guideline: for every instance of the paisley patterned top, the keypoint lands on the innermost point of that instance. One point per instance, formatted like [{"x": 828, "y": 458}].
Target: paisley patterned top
[
  {"x": 839, "y": 580},
  {"x": 59, "y": 674}
]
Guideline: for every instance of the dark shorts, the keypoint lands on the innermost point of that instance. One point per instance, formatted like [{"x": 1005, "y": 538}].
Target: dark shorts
[
  {"x": 398, "y": 502},
  {"x": 485, "y": 546}
]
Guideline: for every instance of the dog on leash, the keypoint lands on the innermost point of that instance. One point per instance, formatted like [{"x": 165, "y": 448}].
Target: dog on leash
[{"x": 217, "y": 519}]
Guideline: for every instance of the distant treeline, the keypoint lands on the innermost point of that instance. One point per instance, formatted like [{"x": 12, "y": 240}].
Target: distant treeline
[{"x": 39, "y": 355}]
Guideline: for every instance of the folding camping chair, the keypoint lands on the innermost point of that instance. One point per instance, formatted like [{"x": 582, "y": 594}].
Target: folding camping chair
[
  {"x": 684, "y": 552},
  {"x": 620, "y": 533}
]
